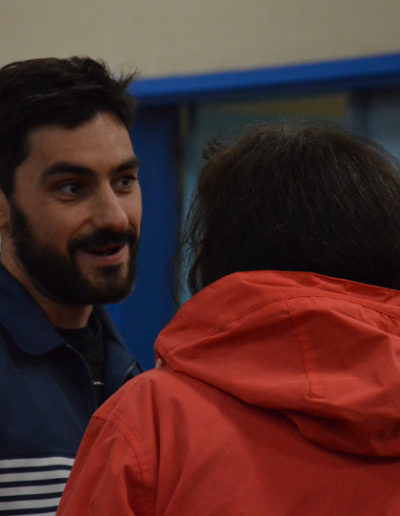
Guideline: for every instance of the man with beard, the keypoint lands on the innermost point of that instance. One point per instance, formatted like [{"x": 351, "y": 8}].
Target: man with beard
[{"x": 70, "y": 213}]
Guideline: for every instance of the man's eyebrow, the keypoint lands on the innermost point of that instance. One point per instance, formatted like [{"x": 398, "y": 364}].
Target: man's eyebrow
[
  {"x": 130, "y": 164},
  {"x": 65, "y": 168}
]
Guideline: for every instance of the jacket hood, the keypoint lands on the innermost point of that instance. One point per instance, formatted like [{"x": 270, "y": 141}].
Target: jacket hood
[{"x": 323, "y": 351}]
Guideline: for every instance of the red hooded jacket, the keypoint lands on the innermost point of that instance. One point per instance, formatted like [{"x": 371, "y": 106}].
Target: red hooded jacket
[{"x": 278, "y": 393}]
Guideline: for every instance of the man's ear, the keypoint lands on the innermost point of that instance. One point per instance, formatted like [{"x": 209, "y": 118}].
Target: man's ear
[{"x": 4, "y": 210}]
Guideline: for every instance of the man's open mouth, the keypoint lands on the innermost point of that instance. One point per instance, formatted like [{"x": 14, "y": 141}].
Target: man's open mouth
[{"x": 106, "y": 250}]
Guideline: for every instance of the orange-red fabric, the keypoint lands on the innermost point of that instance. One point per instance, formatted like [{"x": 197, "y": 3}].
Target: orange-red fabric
[{"x": 278, "y": 395}]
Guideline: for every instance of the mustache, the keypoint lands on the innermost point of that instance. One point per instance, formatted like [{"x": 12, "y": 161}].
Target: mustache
[{"x": 104, "y": 237}]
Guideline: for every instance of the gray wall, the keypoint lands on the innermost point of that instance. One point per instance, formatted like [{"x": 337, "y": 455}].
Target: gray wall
[{"x": 170, "y": 37}]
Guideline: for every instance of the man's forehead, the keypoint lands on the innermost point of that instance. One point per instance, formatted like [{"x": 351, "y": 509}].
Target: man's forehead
[
  {"x": 103, "y": 137},
  {"x": 103, "y": 125}
]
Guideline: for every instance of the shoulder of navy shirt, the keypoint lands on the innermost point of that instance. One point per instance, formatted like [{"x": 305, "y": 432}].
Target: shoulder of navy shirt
[{"x": 47, "y": 396}]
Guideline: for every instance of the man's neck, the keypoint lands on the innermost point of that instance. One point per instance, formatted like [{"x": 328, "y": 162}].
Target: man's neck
[{"x": 61, "y": 315}]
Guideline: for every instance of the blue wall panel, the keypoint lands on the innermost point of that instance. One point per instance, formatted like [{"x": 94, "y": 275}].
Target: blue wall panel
[{"x": 150, "y": 307}]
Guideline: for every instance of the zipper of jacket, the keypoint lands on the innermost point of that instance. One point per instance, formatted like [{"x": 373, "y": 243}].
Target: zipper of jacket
[{"x": 89, "y": 374}]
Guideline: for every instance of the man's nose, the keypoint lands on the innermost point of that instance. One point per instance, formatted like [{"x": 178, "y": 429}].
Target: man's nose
[{"x": 109, "y": 212}]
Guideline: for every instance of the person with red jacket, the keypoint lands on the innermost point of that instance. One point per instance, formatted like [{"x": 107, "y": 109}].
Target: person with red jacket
[{"x": 277, "y": 385}]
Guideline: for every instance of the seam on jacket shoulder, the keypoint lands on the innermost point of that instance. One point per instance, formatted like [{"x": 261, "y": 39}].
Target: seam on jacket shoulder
[{"x": 124, "y": 433}]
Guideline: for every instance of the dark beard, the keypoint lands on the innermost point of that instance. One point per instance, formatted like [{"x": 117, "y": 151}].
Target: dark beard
[{"x": 59, "y": 277}]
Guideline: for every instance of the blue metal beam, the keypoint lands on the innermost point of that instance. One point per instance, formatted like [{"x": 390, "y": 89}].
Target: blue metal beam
[{"x": 360, "y": 72}]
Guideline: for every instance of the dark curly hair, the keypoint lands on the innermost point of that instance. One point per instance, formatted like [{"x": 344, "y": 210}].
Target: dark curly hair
[{"x": 304, "y": 198}]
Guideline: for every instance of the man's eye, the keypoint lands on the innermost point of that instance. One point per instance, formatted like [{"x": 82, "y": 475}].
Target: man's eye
[
  {"x": 124, "y": 182},
  {"x": 70, "y": 189}
]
